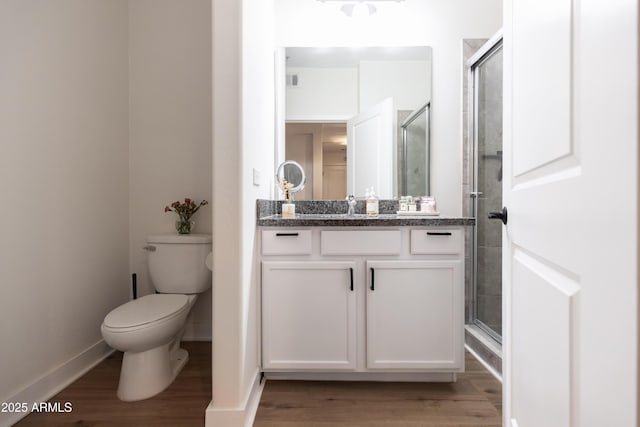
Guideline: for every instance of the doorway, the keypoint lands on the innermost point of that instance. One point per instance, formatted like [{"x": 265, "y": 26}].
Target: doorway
[
  {"x": 486, "y": 79},
  {"x": 321, "y": 150},
  {"x": 483, "y": 194}
]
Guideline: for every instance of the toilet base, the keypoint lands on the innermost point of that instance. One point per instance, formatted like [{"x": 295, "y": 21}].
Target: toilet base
[{"x": 147, "y": 373}]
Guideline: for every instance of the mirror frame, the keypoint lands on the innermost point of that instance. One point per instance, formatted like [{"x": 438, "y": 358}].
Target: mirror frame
[{"x": 280, "y": 171}]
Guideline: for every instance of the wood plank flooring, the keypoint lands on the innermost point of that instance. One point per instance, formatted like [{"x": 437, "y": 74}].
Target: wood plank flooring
[
  {"x": 95, "y": 403},
  {"x": 474, "y": 400}
]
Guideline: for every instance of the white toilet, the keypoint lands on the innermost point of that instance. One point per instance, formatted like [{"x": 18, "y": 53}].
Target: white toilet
[{"x": 148, "y": 330}]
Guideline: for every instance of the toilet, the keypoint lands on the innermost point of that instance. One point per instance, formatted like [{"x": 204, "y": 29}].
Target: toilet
[{"x": 148, "y": 329}]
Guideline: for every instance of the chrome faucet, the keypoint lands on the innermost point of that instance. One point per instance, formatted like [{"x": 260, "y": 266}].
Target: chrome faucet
[{"x": 351, "y": 201}]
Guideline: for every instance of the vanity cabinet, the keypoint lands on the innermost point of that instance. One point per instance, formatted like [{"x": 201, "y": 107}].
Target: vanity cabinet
[{"x": 366, "y": 301}]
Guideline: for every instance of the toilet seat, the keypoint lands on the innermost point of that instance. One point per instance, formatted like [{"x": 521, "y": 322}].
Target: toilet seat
[{"x": 147, "y": 310}]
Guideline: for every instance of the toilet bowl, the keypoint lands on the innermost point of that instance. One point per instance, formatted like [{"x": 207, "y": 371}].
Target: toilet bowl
[{"x": 149, "y": 329}]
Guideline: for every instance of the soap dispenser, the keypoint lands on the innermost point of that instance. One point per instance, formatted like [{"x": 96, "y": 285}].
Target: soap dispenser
[{"x": 372, "y": 203}]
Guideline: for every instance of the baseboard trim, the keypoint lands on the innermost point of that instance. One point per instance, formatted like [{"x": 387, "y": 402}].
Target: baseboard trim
[
  {"x": 237, "y": 417},
  {"x": 253, "y": 401},
  {"x": 54, "y": 381}
]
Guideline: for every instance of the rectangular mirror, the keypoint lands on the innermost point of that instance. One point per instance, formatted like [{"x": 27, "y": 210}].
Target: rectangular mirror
[{"x": 345, "y": 113}]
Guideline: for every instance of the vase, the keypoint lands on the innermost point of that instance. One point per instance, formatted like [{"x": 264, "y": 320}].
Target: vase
[{"x": 184, "y": 226}]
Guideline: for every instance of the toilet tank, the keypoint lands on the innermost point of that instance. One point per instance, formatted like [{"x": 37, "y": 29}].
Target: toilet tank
[{"x": 177, "y": 263}]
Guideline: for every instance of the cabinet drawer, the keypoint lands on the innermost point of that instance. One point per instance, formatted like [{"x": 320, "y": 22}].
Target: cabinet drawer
[
  {"x": 436, "y": 241},
  {"x": 286, "y": 242},
  {"x": 369, "y": 242}
]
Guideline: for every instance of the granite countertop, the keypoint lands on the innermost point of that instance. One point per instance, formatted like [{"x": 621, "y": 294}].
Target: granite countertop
[
  {"x": 360, "y": 220},
  {"x": 332, "y": 213}
]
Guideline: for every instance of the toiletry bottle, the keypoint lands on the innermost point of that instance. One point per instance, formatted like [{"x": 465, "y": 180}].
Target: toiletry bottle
[
  {"x": 412, "y": 204},
  {"x": 372, "y": 203},
  {"x": 427, "y": 204}
]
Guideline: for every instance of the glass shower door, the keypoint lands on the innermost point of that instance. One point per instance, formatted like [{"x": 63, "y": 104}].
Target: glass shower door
[
  {"x": 487, "y": 133},
  {"x": 414, "y": 173}
]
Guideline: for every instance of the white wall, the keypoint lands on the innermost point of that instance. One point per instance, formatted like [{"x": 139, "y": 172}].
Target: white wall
[
  {"x": 170, "y": 128},
  {"x": 243, "y": 139},
  {"x": 407, "y": 82},
  {"x": 323, "y": 92},
  {"x": 258, "y": 139},
  {"x": 63, "y": 182},
  {"x": 436, "y": 23}
]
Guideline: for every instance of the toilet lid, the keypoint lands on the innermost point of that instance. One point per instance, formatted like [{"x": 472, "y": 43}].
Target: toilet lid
[{"x": 147, "y": 309}]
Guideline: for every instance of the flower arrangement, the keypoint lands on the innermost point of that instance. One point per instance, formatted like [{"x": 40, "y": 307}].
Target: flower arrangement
[
  {"x": 286, "y": 187},
  {"x": 185, "y": 211}
]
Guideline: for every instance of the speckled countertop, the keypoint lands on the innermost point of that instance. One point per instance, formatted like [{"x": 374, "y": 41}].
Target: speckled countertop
[{"x": 333, "y": 214}]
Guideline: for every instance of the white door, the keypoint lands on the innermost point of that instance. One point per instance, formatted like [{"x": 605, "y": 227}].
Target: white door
[
  {"x": 334, "y": 182},
  {"x": 570, "y": 185},
  {"x": 370, "y": 151},
  {"x": 308, "y": 315},
  {"x": 415, "y": 315}
]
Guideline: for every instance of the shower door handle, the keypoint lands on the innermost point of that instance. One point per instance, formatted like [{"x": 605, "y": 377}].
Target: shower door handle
[{"x": 499, "y": 215}]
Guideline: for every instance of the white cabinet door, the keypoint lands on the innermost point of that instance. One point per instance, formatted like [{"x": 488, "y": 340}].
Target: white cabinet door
[
  {"x": 308, "y": 315},
  {"x": 415, "y": 315}
]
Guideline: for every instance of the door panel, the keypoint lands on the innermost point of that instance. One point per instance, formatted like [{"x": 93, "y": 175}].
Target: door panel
[
  {"x": 542, "y": 378},
  {"x": 538, "y": 323},
  {"x": 569, "y": 280},
  {"x": 334, "y": 182},
  {"x": 370, "y": 151},
  {"x": 541, "y": 56}
]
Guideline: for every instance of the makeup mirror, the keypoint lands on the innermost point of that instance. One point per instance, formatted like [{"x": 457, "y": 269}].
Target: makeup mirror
[{"x": 293, "y": 173}]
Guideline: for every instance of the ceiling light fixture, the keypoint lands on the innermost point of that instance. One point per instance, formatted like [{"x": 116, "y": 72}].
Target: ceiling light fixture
[{"x": 359, "y": 8}]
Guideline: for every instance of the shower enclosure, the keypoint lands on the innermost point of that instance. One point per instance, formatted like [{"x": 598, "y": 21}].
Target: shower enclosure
[
  {"x": 485, "y": 131},
  {"x": 413, "y": 158}
]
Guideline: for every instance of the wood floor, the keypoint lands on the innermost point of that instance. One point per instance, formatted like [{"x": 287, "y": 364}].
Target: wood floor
[
  {"x": 95, "y": 403},
  {"x": 474, "y": 400}
]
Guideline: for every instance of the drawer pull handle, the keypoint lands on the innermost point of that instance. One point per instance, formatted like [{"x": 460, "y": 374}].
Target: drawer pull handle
[
  {"x": 286, "y": 234},
  {"x": 351, "y": 276},
  {"x": 373, "y": 280},
  {"x": 438, "y": 233}
]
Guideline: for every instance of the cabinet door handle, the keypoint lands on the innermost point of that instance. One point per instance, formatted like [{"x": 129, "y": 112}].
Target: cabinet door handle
[
  {"x": 438, "y": 233},
  {"x": 373, "y": 280},
  {"x": 351, "y": 276},
  {"x": 286, "y": 234}
]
